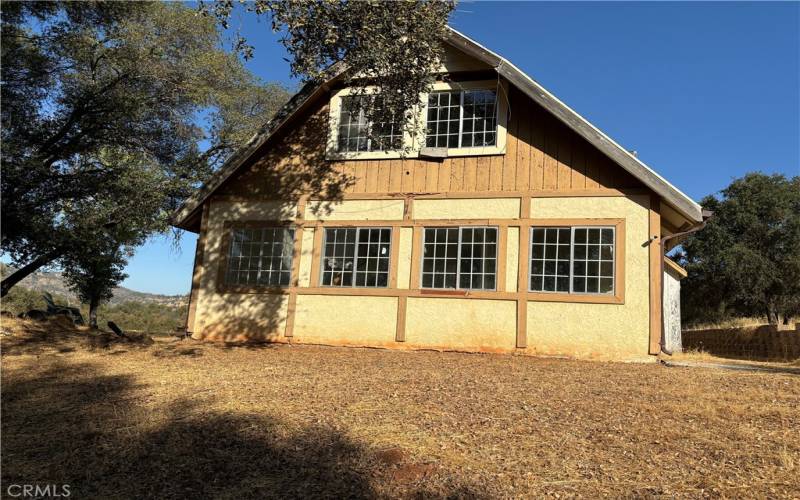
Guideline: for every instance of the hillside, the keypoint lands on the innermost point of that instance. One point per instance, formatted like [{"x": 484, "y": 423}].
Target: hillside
[{"x": 53, "y": 282}]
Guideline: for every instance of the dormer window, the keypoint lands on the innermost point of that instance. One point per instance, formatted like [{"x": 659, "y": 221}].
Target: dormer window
[
  {"x": 462, "y": 119},
  {"x": 354, "y": 130}
]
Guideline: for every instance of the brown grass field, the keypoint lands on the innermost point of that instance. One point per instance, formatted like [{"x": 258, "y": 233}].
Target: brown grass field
[{"x": 179, "y": 419}]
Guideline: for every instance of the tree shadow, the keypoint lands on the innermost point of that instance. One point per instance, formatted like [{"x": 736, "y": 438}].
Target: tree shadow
[{"x": 100, "y": 434}]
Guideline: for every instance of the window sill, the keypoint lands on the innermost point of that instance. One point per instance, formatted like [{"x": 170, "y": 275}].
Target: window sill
[
  {"x": 575, "y": 298},
  {"x": 396, "y": 155}
]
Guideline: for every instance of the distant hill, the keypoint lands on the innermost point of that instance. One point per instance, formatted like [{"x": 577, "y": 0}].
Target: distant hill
[{"x": 53, "y": 282}]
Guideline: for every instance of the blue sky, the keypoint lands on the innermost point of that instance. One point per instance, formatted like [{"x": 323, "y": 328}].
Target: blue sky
[{"x": 703, "y": 91}]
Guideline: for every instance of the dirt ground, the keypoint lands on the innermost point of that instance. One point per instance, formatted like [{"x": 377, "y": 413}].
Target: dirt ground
[{"x": 178, "y": 419}]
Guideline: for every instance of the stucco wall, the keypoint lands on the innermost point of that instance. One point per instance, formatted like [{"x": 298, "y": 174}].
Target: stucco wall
[
  {"x": 236, "y": 317},
  {"x": 345, "y": 320},
  {"x": 468, "y": 324},
  {"x": 672, "y": 310},
  {"x": 355, "y": 210},
  {"x": 610, "y": 331},
  {"x": 605, "y": 331},
  {"x": 486, "y": 208}
]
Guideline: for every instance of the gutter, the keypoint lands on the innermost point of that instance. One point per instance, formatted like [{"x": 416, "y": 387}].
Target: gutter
[{"x": 707, "y": 214}]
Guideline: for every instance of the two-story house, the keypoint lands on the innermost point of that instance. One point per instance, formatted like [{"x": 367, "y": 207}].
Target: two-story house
[{"x": 514, "y": 225}]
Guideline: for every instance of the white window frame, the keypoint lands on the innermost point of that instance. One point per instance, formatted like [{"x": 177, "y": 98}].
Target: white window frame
[
  {"x": 458, "y": 258},
  {"x": 355, "y": 256},
  {"x": 413, "y": 144},
  {"x": 571, "y": 291}
]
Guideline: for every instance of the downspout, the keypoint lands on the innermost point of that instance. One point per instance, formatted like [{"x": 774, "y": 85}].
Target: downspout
[{"x": 707, "y": 214}]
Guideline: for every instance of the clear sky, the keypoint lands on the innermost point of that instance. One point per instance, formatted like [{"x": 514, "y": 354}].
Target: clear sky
[{"x": 703, "y": 91}]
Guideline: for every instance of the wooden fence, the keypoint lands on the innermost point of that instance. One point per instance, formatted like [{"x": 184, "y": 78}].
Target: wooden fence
[{"x": 763, "y": 343}]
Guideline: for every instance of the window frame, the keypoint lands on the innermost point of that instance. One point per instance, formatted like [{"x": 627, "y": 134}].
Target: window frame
[
  {"x": 461, "y": 118},
  {"x": 228, "y": 227},
  {"x": 618, "y": 295},
  {"x": 571, "y": 276},
  {"x": 413, "y": 144},
  {"x": 458, "y": 288},
  {"x": 324, "y": 242}
]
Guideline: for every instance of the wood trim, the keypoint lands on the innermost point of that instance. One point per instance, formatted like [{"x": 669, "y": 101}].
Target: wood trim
[
  {"x": 394, "y": 257},
  {"x": 655, "y": 274},
  {"x": 522, "y": 284},
  {"x": 400, "y": 328},
  {"x": 197, "y": 270},
  {"x": 676, "y": 267},
  {"x": 291, "y": 306},
  {"x": 425, "y": 195}
]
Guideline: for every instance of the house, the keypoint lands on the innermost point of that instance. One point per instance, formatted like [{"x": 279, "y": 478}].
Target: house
[{"x": 516, "y": 226}]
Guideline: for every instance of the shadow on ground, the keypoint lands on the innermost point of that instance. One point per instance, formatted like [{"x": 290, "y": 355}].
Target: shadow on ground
[{"x": 69, "y": 424}]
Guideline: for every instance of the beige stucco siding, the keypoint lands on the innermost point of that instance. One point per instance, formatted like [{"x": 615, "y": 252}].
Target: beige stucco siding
[
  {"x": 355, "y": 210},
  {"x": 473, "y": 208},
  {"x": 235, "y": 317},
  {"x": 512, "y": 259},
  {"x": 353, "y": 320},
  {"x": 469, "y": 324},
  {"x": 306, "y": 251},
  {"x": 404, "y": 257},
  {"x": 613, "y": 331}
]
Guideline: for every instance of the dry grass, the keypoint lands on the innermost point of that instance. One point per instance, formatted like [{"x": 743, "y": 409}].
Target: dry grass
[{"x": 178, "y": 419}]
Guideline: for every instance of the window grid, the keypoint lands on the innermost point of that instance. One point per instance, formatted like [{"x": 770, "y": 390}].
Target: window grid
[
  {"x": 459, "y": 119},
  {"x": 356, "y": 257},
  {"x": 354, "y": 131},
  {"x": 261, "y": 256},
  {"x": 460, "y": 258},
  {"x": 589, "y": 267}
]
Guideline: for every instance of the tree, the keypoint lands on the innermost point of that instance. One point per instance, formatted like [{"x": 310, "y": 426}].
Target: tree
[
  {"x": 388, "y": 46},
  {"x": 100, "y": 130},
  {"x": 747, "y": 259},
  {"x": 93, "y": 273}
]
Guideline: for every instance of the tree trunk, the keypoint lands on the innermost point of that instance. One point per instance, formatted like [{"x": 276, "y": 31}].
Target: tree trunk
[
  {"x": 28, "y": 269},
  {"x": 772, "y": 315},
  {"x": 93, "y": 303}
]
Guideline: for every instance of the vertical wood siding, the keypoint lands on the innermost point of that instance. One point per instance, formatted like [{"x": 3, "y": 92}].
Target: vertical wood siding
[{"x": 541, "y": 154}]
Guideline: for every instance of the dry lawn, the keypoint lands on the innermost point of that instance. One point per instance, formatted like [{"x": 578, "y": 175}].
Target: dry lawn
[{"x": 181, "y": 419}]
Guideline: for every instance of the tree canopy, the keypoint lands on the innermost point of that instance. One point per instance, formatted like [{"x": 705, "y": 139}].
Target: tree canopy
[
  {"x": 113, "y": 112},
  {"x": 746, "y": 262},
  {"x": 388, "y": 48}
]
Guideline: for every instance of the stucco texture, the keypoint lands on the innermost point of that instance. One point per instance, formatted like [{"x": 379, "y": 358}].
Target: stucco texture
[
  {"x": 237, "y": 317},
  {"x": 464, "y": 324},
  {"x": 601, "y": 331},
  {"x": 345, "y": 320},
  {"x": 355, "y": 210},
  {"x": 473, "y": 208}
]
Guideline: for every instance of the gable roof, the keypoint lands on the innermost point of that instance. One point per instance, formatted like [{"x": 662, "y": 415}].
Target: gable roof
[{"x": 682, "y": 203}]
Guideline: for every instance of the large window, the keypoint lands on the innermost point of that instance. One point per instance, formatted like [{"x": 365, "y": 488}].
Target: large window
[
  {"x": 572, "y": 260},
  {"x": 462, "y": 119},
  {"x": 460, "y": 257},
  {"x": 356, "y": 134},
  {"x": 260, "y": 257},
  {"x": 356, "y": 257}
]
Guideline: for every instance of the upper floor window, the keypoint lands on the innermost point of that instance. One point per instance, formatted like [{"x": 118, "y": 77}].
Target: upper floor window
[
  {"x": 260, "y": 256},
  {"x": 462, "y": 119},
  {"x": 357, "y": 134}
]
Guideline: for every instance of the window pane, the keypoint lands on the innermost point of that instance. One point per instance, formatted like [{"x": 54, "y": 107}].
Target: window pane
[
  {"x": 356, "y": 257},
  {"x": 260, "y": 257},
  {"x": 459, "y": 258},
  {"x": 593, "y": 260},
  {"x": 357, "y": 134},
  {"x": 549, "y": 266}
]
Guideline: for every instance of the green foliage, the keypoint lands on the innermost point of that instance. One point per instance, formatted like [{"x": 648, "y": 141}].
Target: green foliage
[
  {"x": 101, "y": 135},
  {"x": 746, "y": 262},
  {"x": 93, "y": 273},
  {"x": 392, "y": 46}
]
